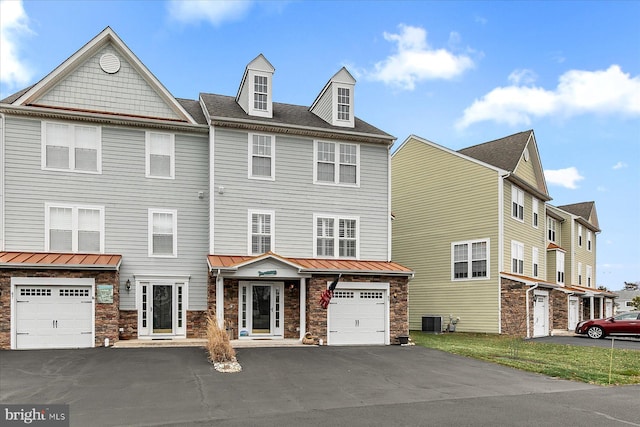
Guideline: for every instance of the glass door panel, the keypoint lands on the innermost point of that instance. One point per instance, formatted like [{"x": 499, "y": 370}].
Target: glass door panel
[
  {"x": 261, "y": 313},
  {"x": 162, "y": 309}
]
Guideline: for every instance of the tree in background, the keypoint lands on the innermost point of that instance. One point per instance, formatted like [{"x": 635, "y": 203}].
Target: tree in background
[
  {"x": 636, "y": 302},
  {"x": 631, "y": 286}
]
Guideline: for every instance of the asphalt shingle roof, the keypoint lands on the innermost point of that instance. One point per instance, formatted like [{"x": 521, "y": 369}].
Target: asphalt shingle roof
[{"x": 503, "y": 153}]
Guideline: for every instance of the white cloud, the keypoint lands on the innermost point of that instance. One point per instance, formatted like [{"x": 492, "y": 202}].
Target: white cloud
[
  {"x": 522, "y": 76},
  {"x": 578, "y": 92},
  {"x": 14, "y": 25},
  {"x": 567, "y": 178},
  {"x": 215, "y": 12},
  {"x": 620, "y": 165},
  {"x": 415, "y": 61}
]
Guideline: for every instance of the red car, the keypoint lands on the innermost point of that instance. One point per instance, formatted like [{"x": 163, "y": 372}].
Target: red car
[{"x": 622, "y": 324}]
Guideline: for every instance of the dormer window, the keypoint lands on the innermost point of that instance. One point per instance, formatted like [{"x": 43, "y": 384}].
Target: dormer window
[
  {"x": 343, "y": 104},
  {"x": 260, "y": 93}
]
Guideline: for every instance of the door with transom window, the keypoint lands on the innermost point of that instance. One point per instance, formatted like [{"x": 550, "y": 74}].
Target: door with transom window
[{"x": 261, "y": 309}]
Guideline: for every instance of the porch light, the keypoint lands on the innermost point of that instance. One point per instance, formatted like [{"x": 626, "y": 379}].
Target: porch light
[{"x": 128, "y": 285}]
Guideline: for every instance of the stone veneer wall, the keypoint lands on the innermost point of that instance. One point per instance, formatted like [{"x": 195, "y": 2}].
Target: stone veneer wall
[
  {"x": 560, "y": 306},
  {"x": 107, "y": 316},
  {"x": 514, "y": 308},
  {"x": 129, "y": 324}
]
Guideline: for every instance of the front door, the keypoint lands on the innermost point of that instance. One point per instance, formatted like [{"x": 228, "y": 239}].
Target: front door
[
  {"x": 261, "y": 311},
  {"x": 540, "y": 316},
  {"x": 162, "y": 309},
  {"x": 573, "y": 312}
]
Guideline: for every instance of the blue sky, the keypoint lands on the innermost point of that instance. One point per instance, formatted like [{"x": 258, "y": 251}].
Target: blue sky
[{"x": 456, "y": 73}]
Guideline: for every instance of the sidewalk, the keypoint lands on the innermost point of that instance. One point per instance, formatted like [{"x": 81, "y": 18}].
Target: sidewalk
[{"x": 201, "y": 342}]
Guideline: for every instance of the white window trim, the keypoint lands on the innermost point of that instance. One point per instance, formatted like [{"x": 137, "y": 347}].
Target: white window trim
[
  {"x": 579, "y": 235},
  {"x": 336, "y": 236},
  {"x": 336, "y": 171},
  {"x": 535, "y": 213},
  {"x": 250, "y": 157},
  {"x": 74, "y": 223},
  {"x": 589, "y": 241},
  {"x": 252, "y": 110},
  {"x": 535, "y": 260},
  {"x": 174, "y": 214},
  {"x": 517, "y": 196},
  {"x": 589, "y": 274},
  {"x": 579, "y": 273},
  {"x": 172, "y": 161},
  {"x": 249, "y": 229},
  {"x": 72, "y": 151},
  {"x": 519, "y": 256},
  {"x": 555, "y": 229},
  {"x": 470, "y": 260},
  {"x": 341, "y": 122}
]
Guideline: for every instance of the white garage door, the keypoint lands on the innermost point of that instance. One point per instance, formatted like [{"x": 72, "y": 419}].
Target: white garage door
[
  {"x": 53, "y": 317},
  {"x": 358, "y": 316}
]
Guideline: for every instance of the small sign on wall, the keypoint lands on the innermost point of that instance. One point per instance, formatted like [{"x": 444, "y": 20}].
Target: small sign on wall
[{"x": 104, "y": 294}]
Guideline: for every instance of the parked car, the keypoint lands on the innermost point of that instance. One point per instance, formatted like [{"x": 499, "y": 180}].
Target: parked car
[{"x": 623, "y": 324}]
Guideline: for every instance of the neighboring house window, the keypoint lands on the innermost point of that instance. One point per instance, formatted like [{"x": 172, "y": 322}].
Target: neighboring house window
[
  {"x": 260, "y": 92},
  {"x": 336, "y": 236},
  {"x": 261, "y": 232},
  {"x": 343, "y": 103},
  {"x": 589, "y": 240},
  {"x": 470, "y": 260},
  {"x": 517, "y": 257},
  {"x": 534, "y": 256},
  {"x": 160, "y": 149},
  {"x": 535, "y": 212},
  {"x": 261, "y": 156},
  {"x": 589, "y": 272},
  {"x": 71, "y": 147},
  {"x": 579, "y": 273},
  {"x": 336, "y": 163},
  {"x": 579, "y": 235},
  {"x": 517, "y": 203},
  {"x": 551, "y": 229},
  {"x": 74, "y": 228},
  {"x": 560, "y": 267},
  {"x": 629, "y": 304},
  {"x": 163, "y": 240}
]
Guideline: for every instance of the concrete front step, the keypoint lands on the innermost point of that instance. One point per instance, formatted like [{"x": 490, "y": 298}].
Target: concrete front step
[{"x": 201, "y": 342}]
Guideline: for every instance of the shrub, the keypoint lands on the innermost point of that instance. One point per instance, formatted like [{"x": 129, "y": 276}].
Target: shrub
[{"x": 218, "y": 344}]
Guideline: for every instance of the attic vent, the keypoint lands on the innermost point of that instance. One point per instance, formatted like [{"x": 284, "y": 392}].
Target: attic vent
[{"x": 109, "y": 63}]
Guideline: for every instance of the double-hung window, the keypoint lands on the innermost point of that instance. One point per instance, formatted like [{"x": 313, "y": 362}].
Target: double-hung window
[
  {"x": 163, "y": 239},
  {"x": 261, "y": 156},
  {"x": 336, "y": 163},
  {"x": 517, "y": 257},
  {"x": 589, "y": 273},
  {"x": 535, "y": 261},
  {"x": 160, "y": 158},
  {"x": 579, "y": 235},
  {"x": 71, "y": 228},
  {"x": 589, "y": 240},
  {"x": 551, "y": 230},
  {"x": 71, "y": 147},
  {"x": 579, "y": 273},
  {"x": 560, "y": 267},
  {"x": 470, "y": 260},
  {"x": 261, "y": 232},
  {"x": 260, "y": 92},
  {"x": 336, "y": 236},
  {"x": 343, "y": 103},
  {"x": 517, "y": 203},
  {"x": 535, "y": 216}
]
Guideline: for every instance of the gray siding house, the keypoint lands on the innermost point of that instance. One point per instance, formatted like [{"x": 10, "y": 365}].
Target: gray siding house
[{"x": 129, "y": 214}]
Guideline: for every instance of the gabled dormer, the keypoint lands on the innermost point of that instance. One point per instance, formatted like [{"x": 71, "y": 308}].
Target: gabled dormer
[
  {"x": 334, "y": 105},
  {"x": 255, "y": 92}
]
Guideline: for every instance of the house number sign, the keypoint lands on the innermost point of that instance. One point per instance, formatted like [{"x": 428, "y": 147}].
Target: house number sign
[{"x": 105, "y": 294}]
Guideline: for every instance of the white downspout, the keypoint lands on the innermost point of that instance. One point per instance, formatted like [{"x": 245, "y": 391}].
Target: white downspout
[
  {"x": 527, "y": 302},
  {"x": 303, "y": 307},
  {"x": 501, "y": 179},
  {"x": 220, "y": 300}
]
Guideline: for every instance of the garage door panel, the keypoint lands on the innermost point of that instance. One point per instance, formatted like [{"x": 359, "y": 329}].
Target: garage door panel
[
  {"x": 54, "y": 317},
  {"x": 358, "y": 317}
]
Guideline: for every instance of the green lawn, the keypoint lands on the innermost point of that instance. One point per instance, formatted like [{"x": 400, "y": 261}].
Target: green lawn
[{"x": 587, "y": 364}]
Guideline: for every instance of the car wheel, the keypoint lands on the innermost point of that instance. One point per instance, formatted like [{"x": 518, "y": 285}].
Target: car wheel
[{"x": 595, "y": 332}]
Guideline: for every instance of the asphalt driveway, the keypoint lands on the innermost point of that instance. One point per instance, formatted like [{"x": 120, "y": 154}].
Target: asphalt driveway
[{"x": 355, "y": 386}]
